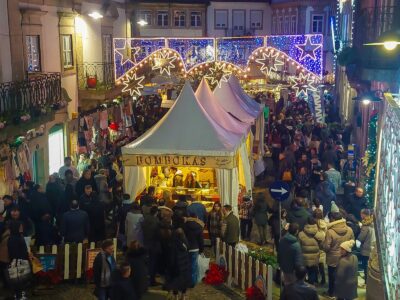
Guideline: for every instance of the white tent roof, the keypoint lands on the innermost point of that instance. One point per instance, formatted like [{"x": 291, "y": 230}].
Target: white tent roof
[
  {"x": 232, "y": 103},
  {"x": 186, "y": 130},
  {"x": 254, "y": 107},
  {"x": 208, "y": 101}
]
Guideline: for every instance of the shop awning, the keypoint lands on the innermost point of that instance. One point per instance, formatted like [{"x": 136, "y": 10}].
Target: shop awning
[
  {"x": 186, "y": 135},
  {"x": 211, "y": 105}
]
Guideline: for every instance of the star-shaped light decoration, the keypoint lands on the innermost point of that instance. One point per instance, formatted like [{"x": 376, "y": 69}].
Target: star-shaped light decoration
[
  {"x": 217, "y": 75},
  {"x": 308, "y": 49},
  {"x": 269, "y": 62},
  {"x": 133, "y": 84},
  {"x": 164, "y": 62},
  {"x": 134, "y": 52},
  {"x": 303, "y": 84}
]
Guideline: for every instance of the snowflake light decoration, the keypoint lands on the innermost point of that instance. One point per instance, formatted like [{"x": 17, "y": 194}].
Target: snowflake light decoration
[
  {"x": 218, "y": 74},
  {"x": 269, "y": 62},
  {"x": 164, "y": 62},
  {"x": 133, "y": 84},
  {"x": 307, "y": 49},
  {"x": 303, "y": 84}
]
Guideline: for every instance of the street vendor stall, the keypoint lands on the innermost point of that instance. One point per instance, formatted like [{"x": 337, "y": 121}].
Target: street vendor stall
[{"x": 187, "y": 152}]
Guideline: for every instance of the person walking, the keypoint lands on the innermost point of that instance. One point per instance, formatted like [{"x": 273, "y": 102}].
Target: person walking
[
  {"x": 85, "y": 180},
  {"x": 322, "y": 227},
  {"x": 337, "y": 233},
  {"x": 310, "y": 241},
  {"x": 230, "y": 227},
  {"x": 133, "y": 228},
  {"x": 214, "y": 224},
  {"x": 68, "y": 166},
  {"x": 123, "y": 288},
  {"x": 298, "y": 213},
  {"x": 366, "y": 239},
  {"x": 299, "y": 290},
  {"x": 325, "y": 193},
  {"x": 276, "y": 230},
  {"x": 290, "y": 256},
  {"x": 194, "y": 233},
  {"x": 346, "y": 273},
  {"x": 245, "y": 216},
  {"x": 75, "y": 224},
  {"x": 137, "y": 256},
  {"x": 261, "y": 218},
  {"x": 103, "y": 266},
  {"x": 356, "y": 203},
  {"x": 148, "y": 200}
]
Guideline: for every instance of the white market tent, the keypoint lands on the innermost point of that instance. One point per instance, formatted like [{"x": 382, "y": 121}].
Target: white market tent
[{"x": 186, "y": 135}]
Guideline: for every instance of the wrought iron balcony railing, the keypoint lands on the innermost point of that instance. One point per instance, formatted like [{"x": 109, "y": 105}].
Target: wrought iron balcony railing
[
  {"x": 39, "y": 92},
  {"x": 96, "y": 76}
]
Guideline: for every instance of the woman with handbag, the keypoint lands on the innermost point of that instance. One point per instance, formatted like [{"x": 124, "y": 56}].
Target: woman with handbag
[{"x": 19, "y": 271}]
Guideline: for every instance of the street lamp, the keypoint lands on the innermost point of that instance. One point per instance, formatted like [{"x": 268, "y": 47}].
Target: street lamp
[
  {"x": 142, "y": 23},
  {"x": 389, "y": 40},
  {"x": 369, "y": 97},
  {"x": 95, "y": 15}
]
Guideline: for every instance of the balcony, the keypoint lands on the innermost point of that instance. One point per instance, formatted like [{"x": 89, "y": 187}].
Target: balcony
[
  {"x": 30, "y": 96},
  {"x": 96, "y": 83}
]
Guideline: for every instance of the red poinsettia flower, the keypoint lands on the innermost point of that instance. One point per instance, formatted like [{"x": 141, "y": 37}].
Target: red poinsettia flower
[{"x": 254, "y": 293}]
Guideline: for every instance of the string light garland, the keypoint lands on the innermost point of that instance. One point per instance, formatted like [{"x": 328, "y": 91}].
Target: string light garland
[
  {"x": 133, "y": 84},
  {"x": 164, "y": 62},
  {"x": 269, "y": 62}
]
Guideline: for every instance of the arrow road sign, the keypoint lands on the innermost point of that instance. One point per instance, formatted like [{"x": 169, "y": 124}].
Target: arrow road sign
[{"x": 279, "y": 190}]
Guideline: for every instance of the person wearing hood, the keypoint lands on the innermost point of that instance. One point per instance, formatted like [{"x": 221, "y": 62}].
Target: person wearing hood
[
  {"x": 104, "y": 192},
  {"x": 194, "y": 233},
  {"x": 366, "y": 239},
  {"x": 337, "y": 233},
  {"x": 322, "y": 227},
  {"x": 298, "y": 213},
  {"x": 136, "y": 256},
  {"x": 311, "y": 241},
  {"x": 290, "y": 256},
  {"x": 325, "y": 193},
  {"x": 346, "y": 273}
]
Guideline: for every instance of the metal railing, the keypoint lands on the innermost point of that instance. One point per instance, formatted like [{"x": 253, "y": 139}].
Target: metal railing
[
  {"x": 34, "y": 93},
  {"x": 96, "y": 76}
]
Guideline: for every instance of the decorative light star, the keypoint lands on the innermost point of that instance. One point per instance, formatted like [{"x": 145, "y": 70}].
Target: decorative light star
[
  {"x": 308, "y": 49},
  {"x": 303, "y": 84},
  {"x": 135, "y": 51},
  {"x": 269, "y": 62},
  {"x": 133, "y": 84},
  {"x": 164, "y": 62},
  {"x": 218, "y": 74}
]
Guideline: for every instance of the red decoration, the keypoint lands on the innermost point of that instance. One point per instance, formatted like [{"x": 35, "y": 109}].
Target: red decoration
[
  {"x": 254, "y": 293},
  {"x": 50, "y": 276},
  {"x": 113, "y": 126},
  {"x": 89, "y": 274},
  {"x": 216, "y": 275},
  {"x": 91, "y": 82}
]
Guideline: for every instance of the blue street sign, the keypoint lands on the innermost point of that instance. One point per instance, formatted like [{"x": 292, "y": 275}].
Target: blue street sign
[{"x": 279, "y": 190}]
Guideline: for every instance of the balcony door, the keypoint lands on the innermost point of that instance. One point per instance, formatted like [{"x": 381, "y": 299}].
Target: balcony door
[
  {"x": 107, "y": 60},
  {"x": 238, "y": 22}
]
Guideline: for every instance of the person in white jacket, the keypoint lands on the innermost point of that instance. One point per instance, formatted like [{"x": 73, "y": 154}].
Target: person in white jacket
[{"x": 132, "y": 225}]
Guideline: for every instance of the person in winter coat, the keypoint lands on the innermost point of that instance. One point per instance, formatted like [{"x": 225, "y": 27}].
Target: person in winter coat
[
  {"x": 123, "y": 288},
  {"x": 297, "y": 213},
  {"x": 133, "y": 220},
  {"x": 275, "y": 228},
  {"x": 214, "y": 224},
  {"x": 230, "y": 226},
  {"x": 346, "y": 273},
  {"x": 261, "y": 218},
  {"x": 179, "y": 279},
  {"x": 325, "y": 193},
  {"x": 97, "y": 213},
  {"x": 104, "y": 191},
  {"x": 322, "y": 227},
  {"x": 245, "y": 216},
  {"x": 299, "y": 290},
  {"x": 137, "y": 258},
  {"x": 290, "y": 256},
  {"x": 75, "y": 224},
  {"x": 85, "y": 180},
  {"x": 103, "y": 267},
  {"x": 194, "y": 233},
  {"x": 148, "y": 200},
  {"x": 366, "y": 238},
  {"x": 197, "y": 208},
  {"x": 125, "y": 207},
  {"x": 356, "y": 203},
  {"x": 54, "y": 192},
  {"x": 311, "y": 241},
  {"x": 337, "y": 233},
  {"x": 150, "y": 230},
  {"x": 180, "y": 212}
]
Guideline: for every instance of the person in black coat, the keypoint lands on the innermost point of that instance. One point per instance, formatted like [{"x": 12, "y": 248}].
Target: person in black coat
[
  {"x": 86, "y": 179},
  {"x": 299, "y": 290},
  {"x": 123, "y": 288},
  {"x": 356, "y": 203},
  {"x": 75, "y": 224},
  {"x": 136, "y": 256},
  {"x": 194, "y": 233},
  {"x": 54, "y": 192},
  {"x": 104, "y": 267}
]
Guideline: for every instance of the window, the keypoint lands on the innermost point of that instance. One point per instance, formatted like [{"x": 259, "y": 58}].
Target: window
[
  {"x": 107, "y": 48},
  {"x": 256, "y": 19},
  {"x": 317, "y": 23},
  {"x": 56, "y": 146},
  {"x": 195, "y": 19},
  {"x": 274, "y": 25},
  {"x": 279, "y": 25},
  {"x": 286, "y": 25},
  {"x": 293, "y": 24},
  {"x": 68, "y": 61},
  {"x": 238, "y": 20},
  {"x": 162, "y": 18},
  {"x": 221, "y": 19},
  {"x": 146, "y": 16},
  {"x": 180, "y": 18},
  {"x": 33, "y": 52}
]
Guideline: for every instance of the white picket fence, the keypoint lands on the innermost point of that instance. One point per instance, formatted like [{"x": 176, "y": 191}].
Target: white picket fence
[{"x": 243, "y": 269}]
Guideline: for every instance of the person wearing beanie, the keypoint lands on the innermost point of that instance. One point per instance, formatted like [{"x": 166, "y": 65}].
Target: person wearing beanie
[
  {"x": 337, "y": 233},
  {"x": 334, "y": 207},
  {"x": 346, "y": 273}
]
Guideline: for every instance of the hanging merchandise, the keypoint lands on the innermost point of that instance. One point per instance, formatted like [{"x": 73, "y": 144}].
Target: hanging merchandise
[{"x": 103, "y": 119}]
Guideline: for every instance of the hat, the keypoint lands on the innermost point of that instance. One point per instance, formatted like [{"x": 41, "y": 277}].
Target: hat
[
  {"x": 334, "y": 207},
  {"x": 348, "y": 245}
]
